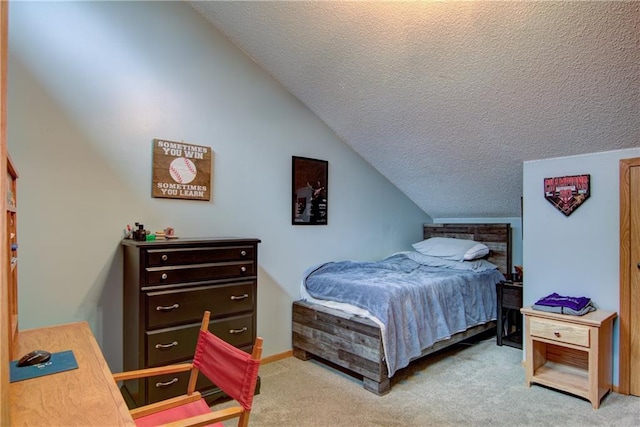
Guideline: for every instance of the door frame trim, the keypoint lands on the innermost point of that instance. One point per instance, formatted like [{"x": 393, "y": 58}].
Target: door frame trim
[{"x": 624, "y": 369}]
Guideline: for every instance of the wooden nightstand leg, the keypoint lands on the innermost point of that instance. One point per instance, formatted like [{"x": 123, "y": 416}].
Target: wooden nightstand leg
[
  {"x": 499, "y": 318},
  {"x": 594, "y": 369},
  {"x": 528, "y": 361}
]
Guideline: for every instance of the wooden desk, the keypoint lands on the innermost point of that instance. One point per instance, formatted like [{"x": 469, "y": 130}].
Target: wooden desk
[{"x": 87, "y": 396}]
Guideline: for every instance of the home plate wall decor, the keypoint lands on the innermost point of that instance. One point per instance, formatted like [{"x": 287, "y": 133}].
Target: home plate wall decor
[
  {"x": 181, "y": 171},
  {"x": 567, "y": 193}
]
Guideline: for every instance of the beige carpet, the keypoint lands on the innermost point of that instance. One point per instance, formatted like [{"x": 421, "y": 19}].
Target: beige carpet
[{"x": 471, "y": 385}]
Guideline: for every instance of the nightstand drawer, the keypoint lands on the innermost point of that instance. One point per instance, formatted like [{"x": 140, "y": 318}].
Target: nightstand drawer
[
  {"x": 512, "y": 298},
  {"x": 561, "y": 332}
]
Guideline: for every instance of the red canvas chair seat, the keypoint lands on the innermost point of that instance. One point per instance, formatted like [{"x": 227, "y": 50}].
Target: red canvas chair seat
[
  {"x": 199, "y": 407},
  {"x": 231, "y": 369}
]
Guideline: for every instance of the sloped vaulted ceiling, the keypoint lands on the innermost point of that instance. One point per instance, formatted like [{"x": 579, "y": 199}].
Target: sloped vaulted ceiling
[{"x": 447, "y": 99}]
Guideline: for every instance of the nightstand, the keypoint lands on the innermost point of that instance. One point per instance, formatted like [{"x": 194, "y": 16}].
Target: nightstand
[
  {"x": 570, "y": 353},
  {"x": 509, "y": 325}
]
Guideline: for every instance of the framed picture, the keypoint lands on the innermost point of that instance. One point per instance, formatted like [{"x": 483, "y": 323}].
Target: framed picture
[{"x": 309, "y": 178}]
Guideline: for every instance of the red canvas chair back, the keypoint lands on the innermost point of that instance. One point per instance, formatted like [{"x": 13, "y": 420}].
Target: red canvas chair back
[{"x": 231, "y": 369}]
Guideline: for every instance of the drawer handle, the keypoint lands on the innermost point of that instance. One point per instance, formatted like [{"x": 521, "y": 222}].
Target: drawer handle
[
  {"x": 164, "y": 276},
  {"x": 167, "y": 308},
  {"x": 167, "y": 384},
  {"x": 556, "y": 333},
  {"x": 238, "y": 331},
  {"x": 243, "y": 253},
  {"x": 164, "y": 257},
  {"x": 243, "y": 269},
  {"x": 239, "y": 297},
  {"x": 164, "y": 346}
]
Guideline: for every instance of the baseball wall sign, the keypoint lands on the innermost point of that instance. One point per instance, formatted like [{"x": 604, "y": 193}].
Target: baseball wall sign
[{"x": 181, "y": 171}]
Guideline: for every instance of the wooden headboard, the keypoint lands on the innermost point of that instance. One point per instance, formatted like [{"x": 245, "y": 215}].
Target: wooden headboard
[{"x": 496, "y": 236}]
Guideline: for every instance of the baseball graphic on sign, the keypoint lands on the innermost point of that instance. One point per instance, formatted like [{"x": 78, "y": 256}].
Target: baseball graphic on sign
[{"x": 182, "y": 170}]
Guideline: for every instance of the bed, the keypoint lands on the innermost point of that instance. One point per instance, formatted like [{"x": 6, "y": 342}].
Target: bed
[{"x": 354, "y": 341}]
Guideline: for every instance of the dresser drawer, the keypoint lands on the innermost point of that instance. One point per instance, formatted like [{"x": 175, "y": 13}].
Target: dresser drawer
[
  {"x": 237, "y": 330},
  {"x": 198, "y": 272},
  {"x": 199, "y": 255},
  {"x": 176, "y": 307},
  {"x": 177, "y": 344},
  {"x": 559, "y": 331},
  {"x": 167, "y": 386}
]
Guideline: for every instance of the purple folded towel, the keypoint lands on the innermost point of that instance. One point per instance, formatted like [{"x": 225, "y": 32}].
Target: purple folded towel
[{"x": 555, "y": 300}]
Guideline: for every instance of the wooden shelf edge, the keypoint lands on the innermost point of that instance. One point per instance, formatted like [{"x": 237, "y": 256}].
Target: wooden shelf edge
[
  {"x": 11, "y": 167},
  {"x": 569, "y": 379}
]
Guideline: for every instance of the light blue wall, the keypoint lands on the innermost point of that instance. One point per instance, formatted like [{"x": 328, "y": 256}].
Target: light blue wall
[
  {"x": 576, "y": 255},
  {"x": 91, "y": 84}
]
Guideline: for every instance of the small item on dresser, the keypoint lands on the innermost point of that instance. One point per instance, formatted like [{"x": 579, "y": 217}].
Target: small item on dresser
[
  {"x": 519, "y": 274},
  {"x": 556, "y": 303},
  {"x": 166, "y": 234},
  {"x": 140, "y": 235}
]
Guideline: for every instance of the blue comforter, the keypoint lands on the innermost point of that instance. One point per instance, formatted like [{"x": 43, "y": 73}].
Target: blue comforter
[{"x": 416, "y": 305}]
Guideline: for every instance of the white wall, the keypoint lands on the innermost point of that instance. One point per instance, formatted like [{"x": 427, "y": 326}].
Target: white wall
[
  {"x": 576, "y": 255},
  {"x": 91, "y": 84}
]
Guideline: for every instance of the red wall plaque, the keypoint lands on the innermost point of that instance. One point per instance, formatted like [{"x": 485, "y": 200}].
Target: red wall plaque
[{"x": 567, "y": 193}]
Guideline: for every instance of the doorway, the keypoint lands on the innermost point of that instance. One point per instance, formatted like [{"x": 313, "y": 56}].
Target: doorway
[{"x": 629, "y": 369}]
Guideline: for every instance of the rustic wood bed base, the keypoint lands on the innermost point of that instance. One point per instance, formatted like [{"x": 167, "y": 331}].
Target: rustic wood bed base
[{"x": 355, "y": 343}]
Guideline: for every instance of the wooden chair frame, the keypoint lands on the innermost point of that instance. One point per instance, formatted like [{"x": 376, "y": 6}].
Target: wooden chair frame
[{"x": 192, "y": 395}]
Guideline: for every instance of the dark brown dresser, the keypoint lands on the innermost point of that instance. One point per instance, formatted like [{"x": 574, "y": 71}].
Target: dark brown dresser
[{"x": 168, "y": 285}]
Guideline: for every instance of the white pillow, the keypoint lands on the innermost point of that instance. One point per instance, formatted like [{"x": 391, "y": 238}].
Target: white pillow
[
  {"x": 477, "y": 265},
  {"x": 480, "y": 250},
  {"x": 451, "y": 249}
]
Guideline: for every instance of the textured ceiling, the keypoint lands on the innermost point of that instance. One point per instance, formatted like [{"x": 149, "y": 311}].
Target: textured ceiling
[{"x": 447, "y": 99}]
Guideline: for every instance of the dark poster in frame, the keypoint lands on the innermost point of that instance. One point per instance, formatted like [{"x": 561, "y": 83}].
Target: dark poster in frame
[
  {"x": 567, "y": 193},
  {"x": 310, "y": 178}
]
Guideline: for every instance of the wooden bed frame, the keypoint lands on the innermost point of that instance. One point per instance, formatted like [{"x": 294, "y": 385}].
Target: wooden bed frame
[{"x": 354, "y": 343}]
